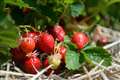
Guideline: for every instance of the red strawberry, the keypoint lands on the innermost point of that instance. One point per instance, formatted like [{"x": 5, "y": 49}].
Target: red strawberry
[
  {"x": 33, "y": 35},
  {"x": 46, "y": 43},
  {"x": 27, "y": 45},
  {"x": 32, "y": 64},
  {"x": 46, "y": 62},
  {"x": 63, "y": 53},
  {"x": 17, "y": 55},
  {"x": 58, "y": 32},
  {"x": 80, "y": 39}
]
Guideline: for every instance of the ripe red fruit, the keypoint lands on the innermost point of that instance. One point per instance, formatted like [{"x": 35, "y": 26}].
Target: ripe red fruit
[
  {"x": 46, "y": 62},
  {"x": 27, "y": 45},
  {"x": 58, "y": 32},
  {"x": 80, "y": 39},
  {"x": 33, "y": 35},
  {"x": 46, "y": 43},
  {"x": 32, "y": 64},
  {"x": 63, "y": 53},
  {"x": 17, "y": 55}
]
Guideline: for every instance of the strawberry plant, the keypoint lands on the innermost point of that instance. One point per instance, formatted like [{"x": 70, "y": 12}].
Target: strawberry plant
[{"x": 35, "y": 34}]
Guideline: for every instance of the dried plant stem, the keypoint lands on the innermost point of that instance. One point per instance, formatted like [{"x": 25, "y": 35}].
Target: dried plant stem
[
  {"x": 94, "y": 73},
  {"x": 94, "y": 69},
  {"x": 18, "y": 70},
  {"x": 96, "y": 76},
  {"x": 12, "y": 77},
  {"x": 8, "y": 68},
  {"x": 56, "y": 77},
  {"x": 86, "y": 75},
  {"x": 5, "y": 63},
  {"x": 76, "y": 75},
  {"x": 41, "y": 72},
  {"x": 110, "y": 45},
  {"x": 116, "y": 60},
  {"x": 50, "y": 75},
  {"x": 14, "y": 73},
  {"x": 116, "y": 72},
  {"x": 86, "y": 71},
  {"x": 104, "y": 76},
  {"x": 99, "y": 65}
]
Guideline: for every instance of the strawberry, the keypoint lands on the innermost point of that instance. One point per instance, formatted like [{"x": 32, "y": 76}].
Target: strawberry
[
  {"x": 32, "y": 65},
  {"x": 27, "y": 45},
  {"x": 17, "y": 55},
  {"x": 63, "y": 53},
  {"x": 80, "y": 39},
  {"x": 54, "y": 60},
  {"x": 33, "y": 35},
  {"x": 56, "y": 71},
  {"x": 46, "y": 42},
  {"x": 58, "y": 32},
  {"x": 46, "y": 62}
]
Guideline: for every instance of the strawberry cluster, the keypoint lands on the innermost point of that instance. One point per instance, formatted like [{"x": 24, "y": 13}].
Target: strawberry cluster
[{"x": 32, "y": 45}]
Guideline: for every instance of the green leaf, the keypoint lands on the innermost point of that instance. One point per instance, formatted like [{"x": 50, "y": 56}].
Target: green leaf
[
  {"x": 4, "y": 54},
  {"x": 66, "y": 39},
  {"x": 8, "y": 36},
  {"x": 72, "y": 60},
  {"x": 98, "y": 54},
  {"x": 68, "y": 1},
  {"x": 19, "y": 3},
  {"x": 8, "y": 41},
  {"x": 1, "y": 4},
  {"x": 69, "y": 44},
  {"x": 32, "y": 3},
  {"x": 92, "y": 3},
  {"x": 8, "y": 32},
  {"x": 2, "y": 15},
  {"x": 113, "y": 11},
  {"x": 90, "y": 45},
  {"x": 86, "y": 58},
  {"x": 77, "y": 9},
  {"x": 82, "y": 58},
  {"x": 47, "y": 10},
  {"x": 72, "y": 46}
]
